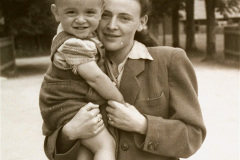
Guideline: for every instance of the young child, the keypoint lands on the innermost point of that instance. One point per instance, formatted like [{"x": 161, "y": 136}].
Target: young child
[{"x": 77, "y": 67}]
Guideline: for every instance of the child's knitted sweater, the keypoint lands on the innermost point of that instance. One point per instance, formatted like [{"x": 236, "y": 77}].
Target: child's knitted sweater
[
  {"x": 62, "y": 92},
  {"x": 74, "y": 51}
]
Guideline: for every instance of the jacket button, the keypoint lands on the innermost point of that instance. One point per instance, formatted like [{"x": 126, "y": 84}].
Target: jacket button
[
  {"x": 150, "y": 145},
  {"x": 156, "y": 146},
  {"x": 124, "y": 147}
]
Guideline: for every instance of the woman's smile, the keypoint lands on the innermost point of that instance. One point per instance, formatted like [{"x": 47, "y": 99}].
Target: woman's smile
[{"x": 111, "y": 36}]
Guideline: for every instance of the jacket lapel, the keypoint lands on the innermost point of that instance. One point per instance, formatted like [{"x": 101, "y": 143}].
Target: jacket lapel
[{"x": 129, "y": 86}]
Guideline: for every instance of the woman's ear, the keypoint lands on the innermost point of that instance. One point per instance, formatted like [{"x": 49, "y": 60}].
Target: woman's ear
[
  {"x": 54, "y": 10},
  {"x": 143, "y": 23}
]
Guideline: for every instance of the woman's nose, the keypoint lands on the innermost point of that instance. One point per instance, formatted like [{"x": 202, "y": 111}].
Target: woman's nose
[
  {"x": 112, "y": 25},
  {"x": 80, "y": 19}
]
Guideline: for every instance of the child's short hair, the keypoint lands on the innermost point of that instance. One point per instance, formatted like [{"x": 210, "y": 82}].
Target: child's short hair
[{"x": 55, "y": 1}]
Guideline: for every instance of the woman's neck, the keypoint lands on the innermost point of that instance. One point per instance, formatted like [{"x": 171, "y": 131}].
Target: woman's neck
[{"x": 119, "y": 56}]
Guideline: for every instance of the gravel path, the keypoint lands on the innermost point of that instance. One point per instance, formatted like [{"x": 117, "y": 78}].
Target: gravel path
[{"x": 21, "y": 137}]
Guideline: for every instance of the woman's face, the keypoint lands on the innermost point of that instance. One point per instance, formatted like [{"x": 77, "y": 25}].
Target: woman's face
[{"x": 120, "y": 20}]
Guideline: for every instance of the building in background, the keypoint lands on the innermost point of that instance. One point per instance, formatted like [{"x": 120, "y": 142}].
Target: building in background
[{"x": 222, "y": 20}]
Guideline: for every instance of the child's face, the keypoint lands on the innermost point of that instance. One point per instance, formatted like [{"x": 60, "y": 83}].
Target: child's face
[{"x": 78, "y": 17}]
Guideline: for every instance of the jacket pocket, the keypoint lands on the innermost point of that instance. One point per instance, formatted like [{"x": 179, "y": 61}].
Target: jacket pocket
[{"x": 154, "y": 106}]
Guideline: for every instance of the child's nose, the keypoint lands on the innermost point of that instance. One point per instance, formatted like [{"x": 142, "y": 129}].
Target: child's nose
[{"x": 80, "y": 19}]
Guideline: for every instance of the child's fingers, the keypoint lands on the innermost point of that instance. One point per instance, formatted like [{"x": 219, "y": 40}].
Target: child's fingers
[
  {"x": 114, "y": 104},
  {"x": 128, "y": 105},
  {"x": 91, "y": 106},
  {"x": 94, "y": 112}
]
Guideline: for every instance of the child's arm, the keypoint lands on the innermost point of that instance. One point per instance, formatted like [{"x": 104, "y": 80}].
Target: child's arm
[{"x": 99, "y": 81}]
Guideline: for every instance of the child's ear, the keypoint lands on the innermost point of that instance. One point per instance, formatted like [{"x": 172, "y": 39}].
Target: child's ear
[
  {"x": 54, "y": 10},
  {"x": 143, "y": 23}
]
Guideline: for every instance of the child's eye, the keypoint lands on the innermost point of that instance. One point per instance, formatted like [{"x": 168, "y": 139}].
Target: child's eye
[
  {"x": 90, "y": 12},
  {"x": 70, "y": 13}
]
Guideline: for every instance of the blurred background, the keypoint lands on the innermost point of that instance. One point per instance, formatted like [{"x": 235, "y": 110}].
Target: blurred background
[
  {"x": 209, "y": 31},
  {"x": 195, "y": 25}
]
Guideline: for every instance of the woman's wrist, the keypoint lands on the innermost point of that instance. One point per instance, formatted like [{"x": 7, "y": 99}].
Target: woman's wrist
[
  {"x": 142, "y": 127},
  {"x": 66, "y": 133}
]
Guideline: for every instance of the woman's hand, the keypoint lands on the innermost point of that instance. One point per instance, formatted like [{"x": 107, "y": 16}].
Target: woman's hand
[
  {"x": 126, "y": 117},
  {"x": 85, "y": 124}
]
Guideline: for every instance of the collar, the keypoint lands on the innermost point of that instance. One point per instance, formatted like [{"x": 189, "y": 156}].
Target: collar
[
  {"x": 60, "y": 28},
  {"x": 139, "y": 51}
]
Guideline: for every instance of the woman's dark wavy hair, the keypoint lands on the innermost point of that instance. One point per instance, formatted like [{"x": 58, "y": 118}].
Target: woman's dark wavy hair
[
  {"x": 144, "y": 37},
  {"x": 146, "y": 7}
]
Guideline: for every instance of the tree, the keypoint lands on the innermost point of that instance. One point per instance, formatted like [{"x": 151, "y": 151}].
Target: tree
[
  {"x": 224, "y": 7},
  {"x": 28, "y": 21},
  {"x": 166, "y": 7},
  {"x": 159, "y": 9},
  {"x": 190, "y": 26},
  {"x": 1, "y": 21},
  {"x": 227, "y": 6},
  {"x": 175, "y": 24},
  {"x": 211, "y": 22},
  {"x": 40, "y": 21}
]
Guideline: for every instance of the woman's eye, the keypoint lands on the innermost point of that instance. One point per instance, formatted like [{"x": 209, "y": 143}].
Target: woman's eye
[
  {"x": 106, "y": 15},
  {"x": 124, "y": 18}
]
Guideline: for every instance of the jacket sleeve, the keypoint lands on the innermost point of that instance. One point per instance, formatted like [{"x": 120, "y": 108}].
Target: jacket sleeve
[
  {"x": 183, "y": 133},
  {"x": 50, "y": 148}
]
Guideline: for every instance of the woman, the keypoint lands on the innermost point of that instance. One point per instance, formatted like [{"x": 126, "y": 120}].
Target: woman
[{"x": 162, "y": 119}]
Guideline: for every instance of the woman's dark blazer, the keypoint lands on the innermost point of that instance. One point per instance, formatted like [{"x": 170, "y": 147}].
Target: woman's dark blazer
[{"x": 165, "y": 91}]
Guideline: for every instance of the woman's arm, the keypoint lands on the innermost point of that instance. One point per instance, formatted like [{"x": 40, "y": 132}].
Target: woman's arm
[
  {"x": 99, "y": 81},
  {"x": 183, "y": 132},
  {"x": 62, "y": 144}
]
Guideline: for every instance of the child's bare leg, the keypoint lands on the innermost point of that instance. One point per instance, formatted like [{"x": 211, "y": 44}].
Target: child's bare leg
[
  {"x": 84, "y": 153},
  {"x": 102, "y": 145}
]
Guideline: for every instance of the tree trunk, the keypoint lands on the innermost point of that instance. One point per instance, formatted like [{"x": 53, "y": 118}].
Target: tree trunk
[
  {"x": 164, "y": 30},
  {"x": 175, "y": 25},
  {"x": 211, "y": 37},
  {"x": 190, "y": 26},
  {"x": 5, "y": 28}
]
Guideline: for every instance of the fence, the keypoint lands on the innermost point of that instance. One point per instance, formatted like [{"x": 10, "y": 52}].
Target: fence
[
  {"x": 232, "y": 40},
  {"x": 7, "y": 53}
]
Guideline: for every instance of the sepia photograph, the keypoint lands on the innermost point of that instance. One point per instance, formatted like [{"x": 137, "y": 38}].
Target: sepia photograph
[{"x": 120, "y": 79}]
